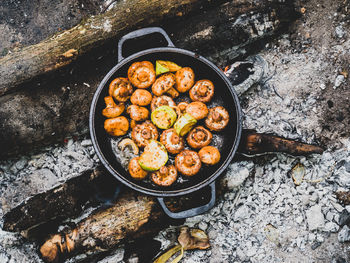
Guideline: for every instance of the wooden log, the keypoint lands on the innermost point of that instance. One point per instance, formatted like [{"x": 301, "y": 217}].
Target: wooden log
[
  {"x": 63, "y": 48},
  {"x": 48, "y": 113}
]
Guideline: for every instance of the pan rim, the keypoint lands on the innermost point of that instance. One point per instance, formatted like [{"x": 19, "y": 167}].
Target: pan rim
[{"x": 153, "y": 192}]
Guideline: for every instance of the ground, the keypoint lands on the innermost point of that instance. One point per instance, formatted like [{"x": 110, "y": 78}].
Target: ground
[{"x": 304, "y": 94}]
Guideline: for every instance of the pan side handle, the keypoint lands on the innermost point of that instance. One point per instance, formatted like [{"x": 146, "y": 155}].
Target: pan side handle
[
  {"x": 193, "y": 211},
  {"x": 139, "y": 33}
]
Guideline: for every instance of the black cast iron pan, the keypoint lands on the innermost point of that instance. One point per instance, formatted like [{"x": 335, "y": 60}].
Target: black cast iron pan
[{"x": 227, "y": 140}]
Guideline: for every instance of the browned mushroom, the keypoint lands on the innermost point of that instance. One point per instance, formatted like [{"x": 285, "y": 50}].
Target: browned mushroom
[
  {"x": 202, "y": 91},
  {"x": 217, "y": 119},
  {"x": 172, "y": 141},
  {"x": 166, "y": 176},
  {"x": 120, "y": 89},
  {"x": 112, "y": 110},
  {"x": 197, "y": 110},
  {"x": 172, "y": 92},
  {"x": 184, "y": 79},
  {"x": 188, "y": 162},
  {"x": 182, "y": 106},
  {"x": 141, "y": 97},
  {"x": 162, "y": 101},
  {"x": 163, "y": 84},
  {"x": 142, "y": 74},
  {"x": 117, "y": 126},
  {"x": 135, "y": 169},
  {"x": 137, "y": 113},
  {"x": 143, "y": 132},
  {"x": 199, "y": 137},
  {"x": 209, "y": 155}
]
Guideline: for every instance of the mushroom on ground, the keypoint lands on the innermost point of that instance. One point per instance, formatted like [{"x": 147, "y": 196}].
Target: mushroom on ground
[
  {"x": 172, "y": 141},
  {"x": 217, "y": 119},
  {"x": 209, "y": 155},
  {"x": 197, "y": 110},
  {"x": 135, "y": 169},
  {"x": 202, "y": 91},
  {"x": 137, "y": 113},
  {"x": 112, "y": 110},
  {"x": 120, "y": 89},
  {"x": 142, "y": 74},
  {"x": 199, "y": 137},
  {"x": 188, "y": 162},
  {"x": 162, "y": 101},
  {"x": 166, "y": 176},
  {"x": 117, "y": 126},
  {"x": 184, "y": 79},
  {"x": 163, "y": 84},
  {"x": 144, "y": 132},
  {"x": 141, "y": 97}
]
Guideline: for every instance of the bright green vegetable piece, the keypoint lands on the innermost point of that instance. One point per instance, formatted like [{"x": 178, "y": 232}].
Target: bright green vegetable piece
[
  {"x": 163, "y": 117},
  {"x": 163, "y": 66},
  {"x": 184, "y": 124},
  {"x": 154, "y": 156}
]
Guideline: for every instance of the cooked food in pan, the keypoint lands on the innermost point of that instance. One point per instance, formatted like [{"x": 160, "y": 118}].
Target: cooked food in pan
[{"x": 148, "y": 97}]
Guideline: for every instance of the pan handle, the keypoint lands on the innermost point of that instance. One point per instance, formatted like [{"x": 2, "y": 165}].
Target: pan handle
[
  {"x": 193, "y": 211},
  {"x": 139, "y": 33}
]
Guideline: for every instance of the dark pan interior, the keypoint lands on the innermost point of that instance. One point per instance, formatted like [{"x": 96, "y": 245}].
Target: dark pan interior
[{"x": 227, "y": 140}]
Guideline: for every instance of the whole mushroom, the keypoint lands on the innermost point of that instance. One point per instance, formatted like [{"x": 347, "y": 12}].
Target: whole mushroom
[
  {"x": 142, "y": 74},
  {"x": 217, "y": 119},
  {"x": 112, "y": 110},
  {"x": 162, "y": 101},
  {"x": 188, "y": 162},
  {"x": 202, "y": 91},
  {"x": 209, "y": 155},
  {"x": 184, "y": 79},
  {"x": 135, "y": 169},
  {"x": 141, "y": 97},
  {"x": 137, "y": 113},
  {"x": 172, "y": 141},
  {"x": 120, "y": 89},
  {"x": 163, "y": 84},
  {"x": 199, "y": 137},
  {"x": 144, "y": 132},
  {"x": 166, "y": 176},
  {"x": 117, "y": 126},
  {"x": 197, "y": 110}
]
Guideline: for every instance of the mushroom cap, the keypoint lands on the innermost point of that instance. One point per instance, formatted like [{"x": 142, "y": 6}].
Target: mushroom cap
[
  {"x": 209, "y": 155},
  {"x": 188, "y": 162},
  {"x": 135, "y": 169},
  {"x": 142, "y": 74},
  {"x": 199, "y": 137},
  {"x": 163, "y": 84},
  {"x": 141, "y": 97},
  {"x": 117, "y": 126},
  {"x": 217, "y": 118},
  {"x": 202, "y": 91},
  {"x": 166, "y": 176},
  {"x": 184, "y": 79},
  {"x": 172, "y": 141},
  {"x": 144, "y": 132},
  {"x": 197, "y": 110}
]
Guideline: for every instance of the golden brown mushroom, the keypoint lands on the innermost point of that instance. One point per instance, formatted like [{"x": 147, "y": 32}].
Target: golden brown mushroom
[
  {"x": 143, "y": 132},
  {"x": 142, "y": 74},
  {"x": 188, "y": 162},
  {"x": 202, "y": 91},
  {"x": 166, "y": 176},
  {"x": 163, "y": 84},
  {"x": 209, "y": 155},
  {"x": 184, "y": 79},
  {"x": 137, "y": 113},
  {"x": 141, "y": 97},
  {"x": 217, "y": 119},
  {"x": 162, "y": 101},
  {"x": 117, "y": 126},
  {"x": 112, "y": 110},
  {"x": 135, "y": 169},
  {"x": 182, "y": 106},
  {"x": 120, "y": 89},
  {"x": 199, "y": 137},
  {"x": 197, "y": 110},
  {"x": 172, "y": 141}
]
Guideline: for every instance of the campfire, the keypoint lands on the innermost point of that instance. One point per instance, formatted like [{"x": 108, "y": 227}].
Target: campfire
[{"x": 283, "y": 197}]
